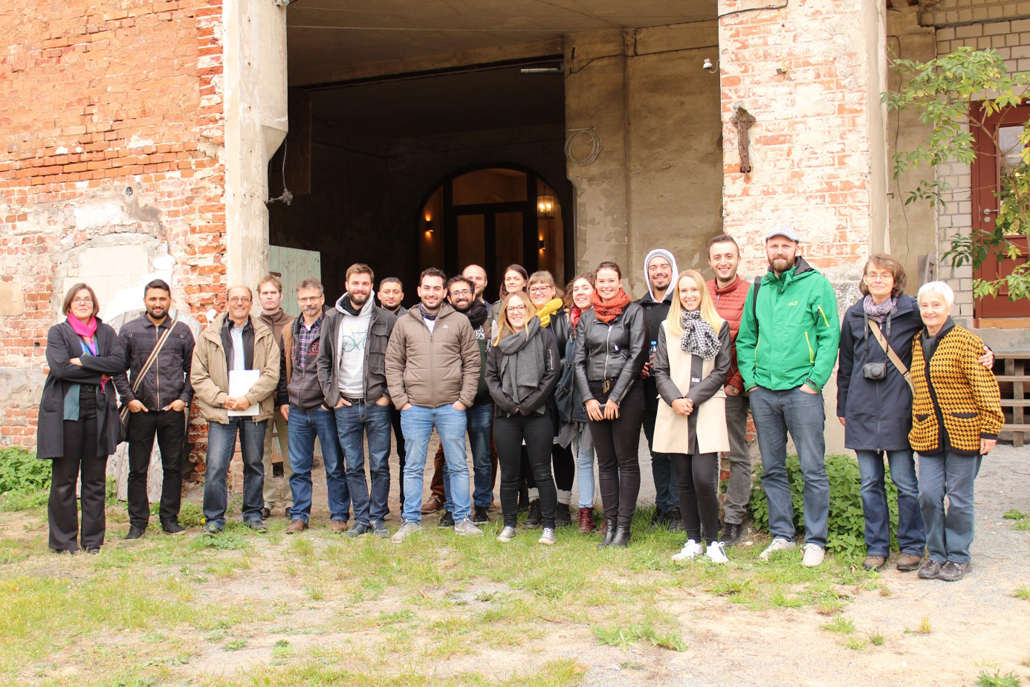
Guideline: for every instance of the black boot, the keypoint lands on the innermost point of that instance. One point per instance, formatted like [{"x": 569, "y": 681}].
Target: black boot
[
  {"x": 621, "y": 537},
  {"x": 561, "y": 516},
  {"x": 609, "y": 534},
  {"x": 676, "y": 521},
  {"x": 660, "y": 520},
  {"x": 534, "y": 518},
  {"x": 732, "y": 532}
]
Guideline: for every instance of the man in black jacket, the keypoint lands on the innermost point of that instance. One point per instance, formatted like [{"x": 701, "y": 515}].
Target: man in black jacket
[
  {"x": 301, "y": 401},
  {"x": 157, "y": 406}
]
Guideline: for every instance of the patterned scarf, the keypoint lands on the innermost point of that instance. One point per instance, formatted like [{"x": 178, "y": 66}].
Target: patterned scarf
[
  {"x": 698, "y": 336},
  {"x": 606, "y": 312},
  {"x": 878, "y": 313},
  {"x": 86, "y": 333}
]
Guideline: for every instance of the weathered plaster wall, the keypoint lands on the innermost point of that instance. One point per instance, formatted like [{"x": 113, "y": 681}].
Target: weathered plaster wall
[
  {"x": 111, "y": 168},
  {"x": 657, "y": 181}
]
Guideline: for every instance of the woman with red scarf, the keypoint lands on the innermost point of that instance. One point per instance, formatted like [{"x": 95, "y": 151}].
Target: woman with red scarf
[
  {"x": 78, "y": 419},
  {"x": 610, "y": 353}
]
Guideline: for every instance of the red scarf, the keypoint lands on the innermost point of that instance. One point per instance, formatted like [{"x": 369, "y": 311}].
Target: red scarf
[
  {"x": 606, "y": 312},
  {"x": 87, "y": 332},
  {"x": 574, "y": 316}
]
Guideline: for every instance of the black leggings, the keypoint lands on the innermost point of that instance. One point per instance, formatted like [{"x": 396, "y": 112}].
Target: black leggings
[
  {"x": 508, "y": 435},
  {"x": 561, "y": 459},
  {"x": 698, "y": 479},
  {"x": 80, "y": 445},
  {"x": 617, "y": 443}
]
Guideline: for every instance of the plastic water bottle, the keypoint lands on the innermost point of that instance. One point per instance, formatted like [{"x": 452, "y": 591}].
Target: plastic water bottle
[{"x": 654, "y": 348}]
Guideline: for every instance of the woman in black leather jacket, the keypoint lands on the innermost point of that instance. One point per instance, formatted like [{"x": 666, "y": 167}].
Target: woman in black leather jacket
[
  {"x": 610, "y": 353},
  {"x": 548, "y": 301}
]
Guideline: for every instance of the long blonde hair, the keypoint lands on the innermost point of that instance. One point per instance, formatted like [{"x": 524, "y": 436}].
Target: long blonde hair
[
  {"x": 503, "y": 324},
  {"x": 708, "y": 311}
]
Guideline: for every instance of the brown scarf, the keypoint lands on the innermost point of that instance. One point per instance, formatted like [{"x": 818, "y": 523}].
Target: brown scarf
[{"x": 606, "y": 312}]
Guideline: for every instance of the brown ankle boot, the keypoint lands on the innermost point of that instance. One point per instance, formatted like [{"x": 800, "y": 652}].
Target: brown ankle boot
[{"x": 586, "y": 521}]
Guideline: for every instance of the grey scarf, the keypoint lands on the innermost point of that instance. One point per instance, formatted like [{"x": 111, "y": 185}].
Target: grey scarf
[
  {"x": 524, "y": 362},
  {"x": 698, "y": 336}
]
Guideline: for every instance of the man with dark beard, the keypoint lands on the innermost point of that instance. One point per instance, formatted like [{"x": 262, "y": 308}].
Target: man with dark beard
[
  {"x": 156, "y": 406},
  {"x": 461, "y": 296},
  {"x": 353, "y": 378}
]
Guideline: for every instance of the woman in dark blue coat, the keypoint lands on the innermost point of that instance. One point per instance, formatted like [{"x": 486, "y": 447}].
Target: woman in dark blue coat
[
  {"x": 78, "y": 419},
  {"x": 874, "y": 403}
]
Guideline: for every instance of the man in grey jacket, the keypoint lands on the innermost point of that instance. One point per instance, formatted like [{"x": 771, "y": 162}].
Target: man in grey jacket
[
  {"x": 432, "y": 370},
  {"x": 351, "y": 372}
]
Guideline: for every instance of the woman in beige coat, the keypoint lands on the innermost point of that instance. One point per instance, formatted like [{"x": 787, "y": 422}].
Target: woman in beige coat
[{"x": 690, "y": 367}]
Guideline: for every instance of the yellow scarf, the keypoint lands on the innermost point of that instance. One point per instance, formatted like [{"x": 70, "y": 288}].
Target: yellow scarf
[{"x": 552, "y": 306}]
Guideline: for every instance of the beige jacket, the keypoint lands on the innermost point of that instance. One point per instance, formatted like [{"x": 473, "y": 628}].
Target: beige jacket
[
  {"x": 210, "y": 373},
  {"x": 672, "y": 432},
  {"x": 432, "y": 369}
]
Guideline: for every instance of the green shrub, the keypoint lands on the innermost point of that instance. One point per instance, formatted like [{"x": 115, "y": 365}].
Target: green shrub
[
  {"x": 24, "y": 481},
  {"x": 846, "y": 531}
]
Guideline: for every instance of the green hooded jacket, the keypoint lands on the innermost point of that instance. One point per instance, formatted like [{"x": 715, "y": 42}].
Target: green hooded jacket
[{"x": 795, "y": 339}]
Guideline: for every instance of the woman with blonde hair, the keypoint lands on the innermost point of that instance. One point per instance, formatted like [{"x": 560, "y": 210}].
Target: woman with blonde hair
[
  {"x": 690, "y": 365},
  {"x": 521, "y": 373}
]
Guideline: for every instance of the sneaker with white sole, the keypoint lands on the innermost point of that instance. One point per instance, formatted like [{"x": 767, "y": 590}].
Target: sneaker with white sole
[
  {"x": 406, "y": 530},
  {"x": 814, "y": 555},
  {"x": 507, "y": 534},
  {"x": 717, "y": 552},
  {"x": 778, "y": 544},
  {"x": 467, "y": 528},
  {"x": 547, "y": 537},
  {"x": 691, "y": 549}
]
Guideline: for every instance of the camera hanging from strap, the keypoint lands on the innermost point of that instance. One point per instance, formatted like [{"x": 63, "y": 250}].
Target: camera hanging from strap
[{"x": 891, "y": 355}]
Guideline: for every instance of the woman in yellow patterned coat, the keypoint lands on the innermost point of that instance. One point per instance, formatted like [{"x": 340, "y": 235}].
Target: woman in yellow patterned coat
[{"x": 956, "y": 417}]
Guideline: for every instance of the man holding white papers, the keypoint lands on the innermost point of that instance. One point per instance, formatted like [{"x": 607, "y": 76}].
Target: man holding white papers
[{"x": 235, "y": 372}]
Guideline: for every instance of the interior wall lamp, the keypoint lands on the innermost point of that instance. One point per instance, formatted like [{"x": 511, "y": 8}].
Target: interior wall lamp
[
  {"x": 542, "y": 244},
  {"x": 545, "y": 207},
  {"x": 429, "y": 225}
]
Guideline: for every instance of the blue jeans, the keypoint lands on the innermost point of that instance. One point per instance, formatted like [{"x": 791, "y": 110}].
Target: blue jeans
[
  {"x": 949, "y": 534},
  {"x": 303, "y": 428},
  {"x": 221, "y": 442},
  {"x": 911, "y": 538},
  {"x": 801, "y": 414},
  {"x": 480, "y": 422},
  {"x": 375, "y": 421},
  {"x": 585, "y": 465},
  {"x": 417, "y": 423}
]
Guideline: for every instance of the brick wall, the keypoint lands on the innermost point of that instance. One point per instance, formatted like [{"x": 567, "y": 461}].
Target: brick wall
[
  {"x": 111, "y": 130},
  {"x": 1010, "y": 38},
  {"x": 805, "y": 73}
]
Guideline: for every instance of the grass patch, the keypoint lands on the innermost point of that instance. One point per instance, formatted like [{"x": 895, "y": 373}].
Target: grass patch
[
  {"x": 842, "y": 625},
  {"x": 996, "y": 679},
  {"x": 876, "y": 639},
  {"x": 626, "y": 635},
  {"x": 1022, "y": 592}
]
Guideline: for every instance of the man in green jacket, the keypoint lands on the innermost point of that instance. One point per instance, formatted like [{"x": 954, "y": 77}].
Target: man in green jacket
[{"x": 786, "y": 349}]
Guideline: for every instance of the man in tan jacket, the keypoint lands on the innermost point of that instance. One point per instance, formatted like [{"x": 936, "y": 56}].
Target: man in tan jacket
[
  {"x": 234, "y": 342},
  {"x": 432, "y": 373},
  {"x": 270, "y": 297}
]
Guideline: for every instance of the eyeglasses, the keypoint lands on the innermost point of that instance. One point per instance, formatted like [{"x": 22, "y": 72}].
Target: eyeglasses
[
  {"x": 539, "y": 290},
  {"x": 882, "y": 278},
  {"x": 240, "y": 299},
  {"x": 309, "y": 299},
  {"x": 514, "y": 309},
  {"x": 82, "y": 301},
  {"x": 463, "y": 292}
]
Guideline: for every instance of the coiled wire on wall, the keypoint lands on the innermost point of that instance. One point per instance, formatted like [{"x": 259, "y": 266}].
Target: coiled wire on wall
[{"x": 595, "y": 144}]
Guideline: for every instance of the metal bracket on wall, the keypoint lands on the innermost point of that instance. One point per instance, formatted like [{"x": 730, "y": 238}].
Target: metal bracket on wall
[{"x": 743, "y": 121}]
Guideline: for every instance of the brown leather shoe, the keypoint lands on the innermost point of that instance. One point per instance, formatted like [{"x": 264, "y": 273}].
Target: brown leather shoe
[
  {"x": 586, "y": 521},
  {"x": 432, "y": 505},
  {"x": 296, "y": 526},
  {"x": 874, "y": 563},
  {"x": 907, "y": 562},
  {"x": 338, "y": 526}
]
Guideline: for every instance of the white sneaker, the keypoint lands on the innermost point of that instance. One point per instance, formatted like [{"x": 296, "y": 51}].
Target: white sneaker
[
  {"x": 507, "y": 534},
  {"x": 406, "y": 530},
  {"x": 814, "y": 555},
  {"x": 690, "y": 550},
  {"x": 547, "y": 537},
  {"x": 717, "y": 552},
  {"x": 467, "y": 528},
  {"x": 778, "y": 544}
]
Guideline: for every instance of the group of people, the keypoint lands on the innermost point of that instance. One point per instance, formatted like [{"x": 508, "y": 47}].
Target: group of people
[{"x": 540, "y": 382}]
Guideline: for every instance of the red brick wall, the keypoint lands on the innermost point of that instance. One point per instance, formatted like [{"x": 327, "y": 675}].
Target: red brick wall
[{"x": 98, "y": 98}]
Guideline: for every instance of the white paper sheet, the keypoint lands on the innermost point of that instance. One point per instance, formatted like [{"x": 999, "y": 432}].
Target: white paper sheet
[{"x": 240, "y": 382}]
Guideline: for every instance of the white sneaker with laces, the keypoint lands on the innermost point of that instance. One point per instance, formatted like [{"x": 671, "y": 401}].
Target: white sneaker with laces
[
  {"x": 406, "y": 530},
  {"x": 691, "y": 549},
  {"x": 717, "y": 552},
  {"x": 547, "y": 537},
  {"x": 467, "y": 528},
  {"x": 814, "y": 555},
  {"x": 778, "y": 544},
  {"x": 507, "y": 534}
]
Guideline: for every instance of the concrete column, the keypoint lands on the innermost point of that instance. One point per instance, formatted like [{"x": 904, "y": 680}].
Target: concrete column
[
  {"x": 255, "y": 125},
  {"x": 811, "y": 74}
]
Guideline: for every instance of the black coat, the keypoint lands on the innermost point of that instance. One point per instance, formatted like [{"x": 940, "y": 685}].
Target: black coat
[
  {"x": 878, "y": 415},
  {"x": 62, "y": 344}
]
